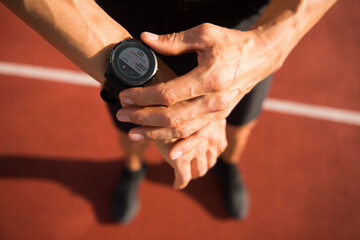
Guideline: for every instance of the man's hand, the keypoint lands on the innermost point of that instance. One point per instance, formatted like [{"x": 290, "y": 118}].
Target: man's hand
[
  {"x": 230, "y": 64},
  {"x": 195, "y": 155}
]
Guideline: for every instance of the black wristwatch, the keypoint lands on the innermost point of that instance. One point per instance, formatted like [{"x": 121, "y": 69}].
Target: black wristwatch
[{"x": 130, "y": 64}]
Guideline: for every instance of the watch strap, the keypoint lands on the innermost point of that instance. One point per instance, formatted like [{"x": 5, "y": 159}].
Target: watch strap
[{"x": 111, "y": 90}]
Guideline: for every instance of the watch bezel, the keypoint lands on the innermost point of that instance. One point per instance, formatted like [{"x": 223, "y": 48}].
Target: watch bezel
[{"x": 120, "y": 76}]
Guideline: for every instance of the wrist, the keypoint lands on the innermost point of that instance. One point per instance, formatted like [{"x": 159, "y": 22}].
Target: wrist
[
  {"x": 273, "y": 44},
  {"x": 101, "y": 58},
  {"x": 278, "y": 33},
  {"x": 285, "y": 22}
]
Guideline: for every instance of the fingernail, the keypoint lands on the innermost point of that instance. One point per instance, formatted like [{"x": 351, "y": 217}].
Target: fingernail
[
  {"x": 127, "y": 100},
  {"x": 151, "y": 36},
  {"x": 176, "y": 155},
  {"x": 136, "y": 137},
  {"x": 123, "y": 118}
]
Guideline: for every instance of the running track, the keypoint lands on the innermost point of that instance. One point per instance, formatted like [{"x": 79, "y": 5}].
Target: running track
[{"x": 59, "y": 158}]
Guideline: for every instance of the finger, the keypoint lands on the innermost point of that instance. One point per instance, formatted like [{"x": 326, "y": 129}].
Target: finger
[
  {"x": 223, "y": 143},
  {"x": 199, "y": 160},
  {"x": 201, "y": 166},
  {"x": 159, "y": 116},
  {"x": 218, "y": 141},
  {"x": 190, "y": 165},
  {"x": 164, "y": 147},
  {"x": 173, "y": 115},
  {"x": 211, "y": 158},
  {"x": 207, "y": 132},
  {"x": 160, "y": 133},
  {"x": 182, "y": 173},
  {"x": 188, "y": 144},
  {"x": 174, "y": 43},
  {"x": 196, "y": 83},
  {"x": 193, "y": 169},
  {"x": 164, "y": 74},
  {"x": 188, "y": 86}
]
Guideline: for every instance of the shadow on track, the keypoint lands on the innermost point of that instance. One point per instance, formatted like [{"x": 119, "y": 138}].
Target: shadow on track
[{"x": 96, "y": 181}]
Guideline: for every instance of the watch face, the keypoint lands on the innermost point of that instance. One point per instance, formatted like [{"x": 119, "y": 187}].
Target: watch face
[{"x": 134, "y": 63}]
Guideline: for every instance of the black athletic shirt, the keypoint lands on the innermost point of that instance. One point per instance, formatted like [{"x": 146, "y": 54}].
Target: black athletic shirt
[{"x": 166, "y": 16}]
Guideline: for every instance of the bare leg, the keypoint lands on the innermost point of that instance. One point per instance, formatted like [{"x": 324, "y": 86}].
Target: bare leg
[
  {"x": 134, "y": 152},
  {"x": 237, "y": 139}
]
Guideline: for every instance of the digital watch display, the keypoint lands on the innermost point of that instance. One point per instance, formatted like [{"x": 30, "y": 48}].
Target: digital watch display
[{"x": 131, "y": 64}]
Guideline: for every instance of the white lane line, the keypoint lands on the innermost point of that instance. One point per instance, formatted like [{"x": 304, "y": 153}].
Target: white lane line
[
  {"x": 273, "y": 105},
  {"x": 313, "y": 111},
  {"x": 47, "y": 73}
]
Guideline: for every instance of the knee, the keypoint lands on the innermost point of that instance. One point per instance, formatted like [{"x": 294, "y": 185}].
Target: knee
[{"x": 240, "y": 132}]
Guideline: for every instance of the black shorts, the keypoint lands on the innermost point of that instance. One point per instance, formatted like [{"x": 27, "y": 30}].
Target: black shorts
[{"x": 167, "y": 16}]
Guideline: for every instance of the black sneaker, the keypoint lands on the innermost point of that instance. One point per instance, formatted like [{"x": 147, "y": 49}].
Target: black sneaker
[
  {"x": 235, "y": 196},
  {"x": 125, "y": 200}
]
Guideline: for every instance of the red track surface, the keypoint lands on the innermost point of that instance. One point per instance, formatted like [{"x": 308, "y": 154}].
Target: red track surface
[{"x": 59, "y": 158}]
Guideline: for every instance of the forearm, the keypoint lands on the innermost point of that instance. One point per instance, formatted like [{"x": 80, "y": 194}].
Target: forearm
[
  {"x": 80, "y": 30},
  {"x": 285, "y": 22}
]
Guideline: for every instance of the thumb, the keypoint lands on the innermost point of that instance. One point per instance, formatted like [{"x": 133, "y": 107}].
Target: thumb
[{"x": 170, "y": 44}]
